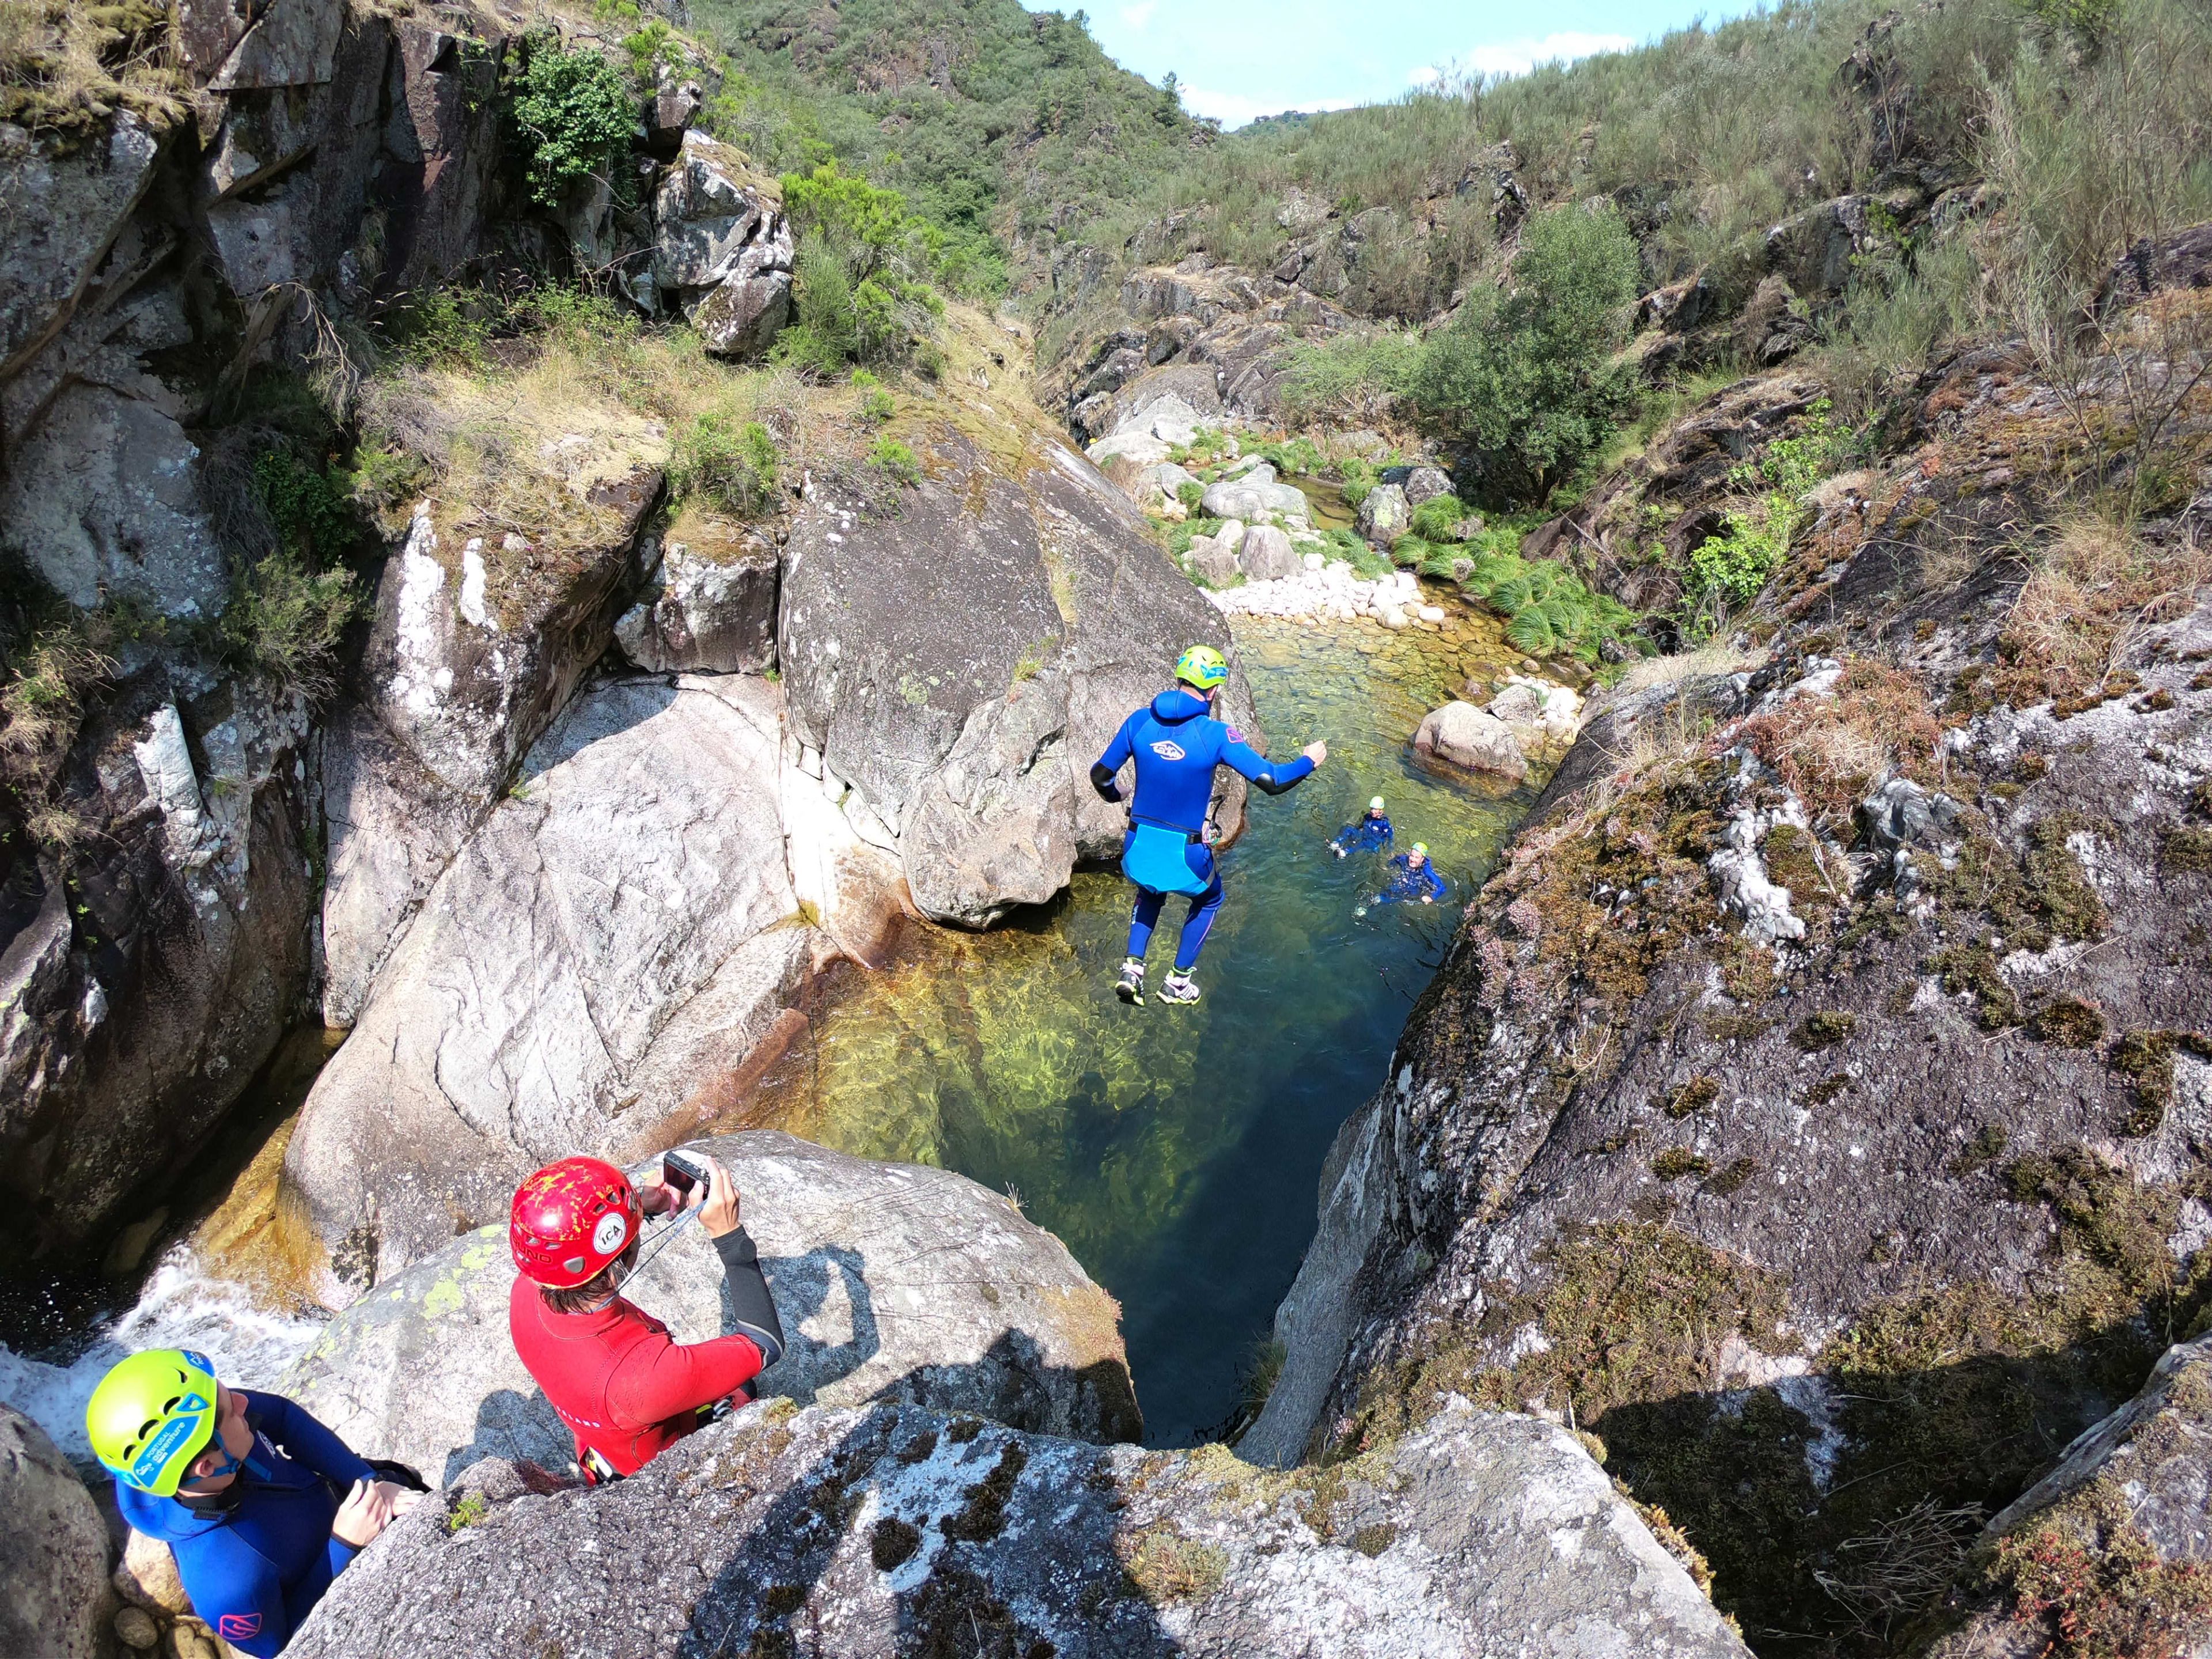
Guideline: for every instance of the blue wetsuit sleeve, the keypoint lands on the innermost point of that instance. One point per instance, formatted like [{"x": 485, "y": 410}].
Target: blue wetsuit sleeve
[
  {"x": 1117, "y": 755},
  {"x": 1254, "y": 766},
  {"x": 307, "y": 1441}
]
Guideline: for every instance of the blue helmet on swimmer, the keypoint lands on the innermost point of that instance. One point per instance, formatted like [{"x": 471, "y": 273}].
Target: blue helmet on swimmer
[{"x": 1202, "y": 668}]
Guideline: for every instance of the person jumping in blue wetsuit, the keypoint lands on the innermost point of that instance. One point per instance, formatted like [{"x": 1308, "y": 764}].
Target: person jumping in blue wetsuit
[
  {"x": 1176, "y": 743},
  {"x": 1369, "y": 835},
  {"x": 262, "y": 1504},
  {"x": 1413, "y": 879}
]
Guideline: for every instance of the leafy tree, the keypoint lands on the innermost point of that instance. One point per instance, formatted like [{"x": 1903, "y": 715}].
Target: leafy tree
[
  {"x": 1529, "y": 376},
  {"x": 572, "y": 114}
]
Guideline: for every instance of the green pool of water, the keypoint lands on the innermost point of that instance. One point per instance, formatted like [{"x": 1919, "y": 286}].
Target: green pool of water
[{"x": 1176, "y": 1150}]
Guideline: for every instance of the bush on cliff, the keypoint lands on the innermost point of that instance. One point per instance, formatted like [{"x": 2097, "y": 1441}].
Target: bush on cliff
[
  {"x": 571, "y": 115},
  {"x": 1527, "y": 376}
]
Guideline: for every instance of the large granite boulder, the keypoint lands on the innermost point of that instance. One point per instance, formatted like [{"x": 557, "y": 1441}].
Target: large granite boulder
[
  {"x": 708, "y": 609},
  {"x": 54, "y": 1593},
  {"x": 958, "y": 656},
  {"x": 723, "y": 250},
  {"x": 1460, "y": 735},
  {"x": 474, "y": 644},
  {"x": 893, "y": 1281},
  {"x": 620, "y": 929},
  {"x": 903, "y": 1530},
  {"x": 1252, "y": 496}
]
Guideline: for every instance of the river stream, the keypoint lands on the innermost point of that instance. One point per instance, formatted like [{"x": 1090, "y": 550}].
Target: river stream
[{"x": 1175, "y": 1151}]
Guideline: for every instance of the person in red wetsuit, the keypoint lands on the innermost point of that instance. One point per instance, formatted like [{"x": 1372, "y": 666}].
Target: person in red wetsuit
[{"x": 626, "y": 1389}]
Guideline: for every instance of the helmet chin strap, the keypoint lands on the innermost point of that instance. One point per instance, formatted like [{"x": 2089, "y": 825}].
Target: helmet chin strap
[{"x": 623, "y": 1275}]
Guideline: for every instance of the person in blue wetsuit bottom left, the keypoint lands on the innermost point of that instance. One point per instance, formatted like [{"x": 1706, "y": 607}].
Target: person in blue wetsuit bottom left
[
  {"x": 262, "y": 1505},
  {"x": 1176, "y": 743}
]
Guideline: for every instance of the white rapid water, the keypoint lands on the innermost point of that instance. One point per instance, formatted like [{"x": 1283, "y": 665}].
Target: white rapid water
[{"x": 180, "y": 1306}]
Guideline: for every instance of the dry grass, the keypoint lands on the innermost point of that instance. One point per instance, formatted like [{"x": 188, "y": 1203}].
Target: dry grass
[
  {"x": 1831, "y": 751},
  {"x": 2094, "y": 589},
  {"x": 1714, "y": 658},
  {"x": 68, "y": 66}
]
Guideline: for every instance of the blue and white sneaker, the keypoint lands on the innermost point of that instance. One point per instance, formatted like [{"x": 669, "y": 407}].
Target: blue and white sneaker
[{"x": 1178, "y": 988}]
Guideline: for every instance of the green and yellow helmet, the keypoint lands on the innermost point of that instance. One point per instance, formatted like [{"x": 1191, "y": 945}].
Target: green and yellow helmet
[
  {"x": 152, "y": 1415},
  {"x": 1201, "y": 667}
]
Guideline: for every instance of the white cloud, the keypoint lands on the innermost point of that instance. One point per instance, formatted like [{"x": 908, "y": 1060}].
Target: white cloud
[
  {"x": 1425, "y": 76},
  {"x": 1233, "y": 109},
  {"x": 1139, "y": 15},
  {"x": 1519, "y": 56}
]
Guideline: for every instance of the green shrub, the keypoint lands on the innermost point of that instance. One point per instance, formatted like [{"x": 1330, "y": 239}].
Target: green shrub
[
  {"x": 1359, "y": 477},
  {"x": 1339, "y": 378},
  {"x": 1353, "y": 550},
  {"x": 721, "y": 461},
  {"x": 1548, "y": 610},
  {"x": 1728, "y": 570},
  {"x": 1181, "y": 535},
  {"x": 1530, "y": 377},
  {"x": 286, "y": 619},
  {"x": 894, "y": 461},
  {"x": 1439, "y": 517},
  {"x": 571, "y": 116},
  {"x": 1294, "y": 458},
  {"x": 312, "y": 515},
  {"x": 652, "y": 46},
  {"x": 878, "y": 406},
  {"x": 1190, "y": 493}
]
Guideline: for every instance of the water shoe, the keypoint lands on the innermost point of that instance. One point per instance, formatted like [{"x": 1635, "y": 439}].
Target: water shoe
[
  {"x": 1130, "y": 987},
  {"x": 1178, "y": 988}
]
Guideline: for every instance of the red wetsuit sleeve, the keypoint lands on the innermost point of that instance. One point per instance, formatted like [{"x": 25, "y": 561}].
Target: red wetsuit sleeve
[{"x": 658, "y": 1380}]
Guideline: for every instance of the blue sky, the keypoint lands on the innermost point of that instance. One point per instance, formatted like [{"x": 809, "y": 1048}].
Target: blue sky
[{"x": 1240, "y": 59}]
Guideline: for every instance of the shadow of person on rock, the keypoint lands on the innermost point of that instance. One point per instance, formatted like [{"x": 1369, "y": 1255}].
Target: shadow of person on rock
[
  {"x": 959, "y": 1534},
  {"x": 829, "y": 1321},
  {"x": 516, "y": 1426}
]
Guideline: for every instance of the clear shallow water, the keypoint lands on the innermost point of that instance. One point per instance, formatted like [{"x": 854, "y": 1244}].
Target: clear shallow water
[{"x": 1176, "y": 1150}]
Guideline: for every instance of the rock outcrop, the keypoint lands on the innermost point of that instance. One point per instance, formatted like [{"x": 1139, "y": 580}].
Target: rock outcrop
[
  {"x": 54, "y": 1595},
  {"x": 473, "y": 649},
  {"x": 2111, "y": 1544},
  {"x": 901, "y": 1530},
  {"x": 894, "y": 1282},
  {"x": 1834, "y": 1006},
  {"x": 958, "y": 655},
  {"x": 723, "y": 252},
  {"x": 708, "y": 609},
  {"x": 621, "y": 927},
  {"x": 143, "y": 990}
]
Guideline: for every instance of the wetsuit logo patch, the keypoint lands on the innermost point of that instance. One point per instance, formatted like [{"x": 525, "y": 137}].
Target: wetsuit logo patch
[
  {"x": 1167, "y": 748},
  {"x": 238, "y": 1626}
]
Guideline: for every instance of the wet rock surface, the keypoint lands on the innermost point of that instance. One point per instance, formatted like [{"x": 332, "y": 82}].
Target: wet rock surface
[
  {"x": 55, "y": 1600},
  {"x": 894, "y": 1281},
  {"x": 900, "y": 1529}
]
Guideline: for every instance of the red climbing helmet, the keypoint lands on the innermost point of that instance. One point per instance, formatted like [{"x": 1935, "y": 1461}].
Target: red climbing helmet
[{"x": 570, "y": 1220}]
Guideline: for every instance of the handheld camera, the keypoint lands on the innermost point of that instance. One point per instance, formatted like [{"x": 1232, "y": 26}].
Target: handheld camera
[{"x": 680, "y": 1173}]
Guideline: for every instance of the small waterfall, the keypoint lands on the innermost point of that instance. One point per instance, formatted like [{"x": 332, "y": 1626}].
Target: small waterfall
[{"x": 179, "y": 1306}]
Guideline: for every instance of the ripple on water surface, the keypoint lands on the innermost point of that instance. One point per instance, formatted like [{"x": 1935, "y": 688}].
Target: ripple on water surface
[{"x": 1176, "y": 1150}]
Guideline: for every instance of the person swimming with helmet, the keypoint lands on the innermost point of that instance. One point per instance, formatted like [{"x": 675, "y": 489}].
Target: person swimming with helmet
[
  {"x": 1175, "y": 744},
  {"x": 1411, "y": 879},
  {"x": 261, "y": 1504},
  {"x": 1369, "y": 834}
]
